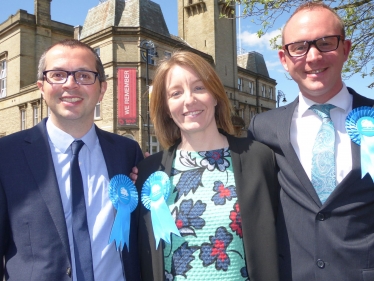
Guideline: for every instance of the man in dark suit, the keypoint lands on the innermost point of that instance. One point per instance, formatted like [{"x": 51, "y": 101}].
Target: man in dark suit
[
  {"x": 326, "y": 230},
  {"x": 36, "y": 210}
]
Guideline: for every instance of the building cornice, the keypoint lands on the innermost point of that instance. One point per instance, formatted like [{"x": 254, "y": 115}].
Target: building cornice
[{"x": 257, "y": 75}]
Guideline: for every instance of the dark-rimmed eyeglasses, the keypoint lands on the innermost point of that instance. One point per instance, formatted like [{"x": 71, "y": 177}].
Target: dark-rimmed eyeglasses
[
  {"x": 81, "y": 77},
  {"x": 324, "y": 44}
]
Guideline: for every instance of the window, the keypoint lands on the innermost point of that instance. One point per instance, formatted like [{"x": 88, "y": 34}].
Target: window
[
  {"x": 155, "y": 145},
  {"x": 2, "y": 78},
  {"x": 97, "y": 114},
  {"x": 35, "y": 114},
  {"x": 250, "y": 86},
  {"x": 23, "y": 119},
  {"x": 167, "y": 55},
  {"x": 151, "y": 55},
  {"x": 263, "y": 91},
  {"x": 131, "y": 137},
  {"x": 240, "y": 84},
  {"x": 251, "y": 114},
  {"x": 271, "y": 93}
]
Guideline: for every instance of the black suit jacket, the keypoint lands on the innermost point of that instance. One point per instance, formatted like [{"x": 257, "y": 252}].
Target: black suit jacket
[
  {"x": 33, "y": 234},
  {"x": 257, "y": 189},
  {"x": 333, "y": 241}
]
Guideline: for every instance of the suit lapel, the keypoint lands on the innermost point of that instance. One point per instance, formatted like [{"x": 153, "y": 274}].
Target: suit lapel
[
  {"x": 355, "y": 173},
  {"x": 111, "y": 156},
  {"x": 358, "y": 101},
  {"x": 283, "y": 132},
  {"x": 168, "y": 158},
  {"x": 158, "y": 254},
  {"x": 39, "y": 159}
]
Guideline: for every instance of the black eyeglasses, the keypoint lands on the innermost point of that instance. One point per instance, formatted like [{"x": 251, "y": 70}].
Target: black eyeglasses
[
  {"x": 81, "y": 77},
  {"x": 324, "y": 44}
]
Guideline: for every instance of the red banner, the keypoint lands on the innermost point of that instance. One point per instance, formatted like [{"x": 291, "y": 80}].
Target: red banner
[{"x": 127, "y": 96}]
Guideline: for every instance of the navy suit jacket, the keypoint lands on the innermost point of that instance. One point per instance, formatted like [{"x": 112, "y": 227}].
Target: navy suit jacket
[
  {"x": 33, "y": 233},
  {"x": 333, "y": 241}
]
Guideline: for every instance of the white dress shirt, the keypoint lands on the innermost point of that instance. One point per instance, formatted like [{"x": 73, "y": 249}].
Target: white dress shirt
[
  {"x": 306, "y": 124},
  {"x": 100, "y": 211}
]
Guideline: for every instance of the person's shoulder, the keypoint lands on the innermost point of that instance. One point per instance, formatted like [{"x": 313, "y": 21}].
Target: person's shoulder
[
  {"x": 152, "y": 160},
  {"x": 362, "y": 99},
  {"x": 16, "y": 137},
  {"x": 241, "y": 145},
  {"x": 273, "y": 114},
  {"x": 115, "y": 137}
]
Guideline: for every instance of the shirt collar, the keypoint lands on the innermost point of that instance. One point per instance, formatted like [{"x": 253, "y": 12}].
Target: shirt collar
[
  {"x": 342, "y": 100},
  {"x": 62, "y": 140}
]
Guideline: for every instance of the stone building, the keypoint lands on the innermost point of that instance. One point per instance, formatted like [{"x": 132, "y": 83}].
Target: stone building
[
  {"x": 23, "y": 38},
  {"x": 131, "y": 38}
]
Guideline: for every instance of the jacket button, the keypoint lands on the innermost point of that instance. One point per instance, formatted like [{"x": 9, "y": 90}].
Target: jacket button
[
  {"x": 68, "y": 271},
  {"x": 320, "y": 263},
  {"x": 320, "y": 217}
]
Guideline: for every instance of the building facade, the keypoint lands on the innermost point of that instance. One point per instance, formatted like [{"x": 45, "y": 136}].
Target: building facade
[{"x": 131, "y": 38}]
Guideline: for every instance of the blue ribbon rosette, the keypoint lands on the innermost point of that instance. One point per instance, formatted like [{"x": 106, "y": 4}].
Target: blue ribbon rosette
[
  {"x": 155, "y": 192},
  {"x": 360, "y": 127},
  {"x": 124, "y": 196}
]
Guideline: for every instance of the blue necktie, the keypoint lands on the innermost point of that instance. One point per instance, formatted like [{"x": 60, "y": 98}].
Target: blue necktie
[
  {"x": 323, "y": 160},
  {"x": 81, "y": 236}
]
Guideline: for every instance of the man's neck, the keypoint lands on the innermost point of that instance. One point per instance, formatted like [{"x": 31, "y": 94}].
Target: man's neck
[{"x": 75, "y": 128}]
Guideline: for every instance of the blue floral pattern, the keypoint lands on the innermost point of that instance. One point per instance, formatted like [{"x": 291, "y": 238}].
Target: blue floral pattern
[
  {"x": 189, "y": 180},
  {"x": 168, "y": 276},
  {"x": 181, "y": 259},
  {"x": 215, "y": 159},
  {"x": 211, "y": 242},
  {"x": 188, "y": 217},
  {"x": 215, "y": 251},
  {"x": 223, "y": 193},
  {"x": 244, "y": 273}
]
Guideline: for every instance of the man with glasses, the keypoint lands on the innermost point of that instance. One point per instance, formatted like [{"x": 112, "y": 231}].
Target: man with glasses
[
  {"x": 325, "y": 221},
  {"x": 55, "y": 212}
]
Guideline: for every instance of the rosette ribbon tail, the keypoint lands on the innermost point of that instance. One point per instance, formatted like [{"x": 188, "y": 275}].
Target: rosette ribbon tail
[
  {"x": 121, "y": 227},
  {"x": 124, "y": 196},
  {"x": 367, "y": 156},
  {"x": 162, "y": 221}
]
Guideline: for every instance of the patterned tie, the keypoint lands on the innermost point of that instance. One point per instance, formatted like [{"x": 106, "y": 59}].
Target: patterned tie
[
  {"x": 323, "y": 160},
  {"x": 81, "y": 236}
]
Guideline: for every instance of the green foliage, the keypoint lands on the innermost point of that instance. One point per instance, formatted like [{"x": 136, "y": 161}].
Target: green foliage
[{"x": 358, "y": 16}]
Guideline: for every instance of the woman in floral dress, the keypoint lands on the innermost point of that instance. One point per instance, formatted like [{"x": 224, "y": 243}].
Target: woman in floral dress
[{"x": 223, "y": 190}]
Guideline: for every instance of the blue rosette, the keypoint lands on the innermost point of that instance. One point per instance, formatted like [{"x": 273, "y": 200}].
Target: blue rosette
[
  {"x": 155, "y": 192},
  {"x": 124, "y": 196},
  {"x": 360, "y": 127}
]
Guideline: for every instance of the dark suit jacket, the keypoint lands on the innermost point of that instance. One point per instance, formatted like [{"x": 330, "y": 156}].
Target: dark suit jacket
[
  {"x": 33, "y": 233},
  {"x": 333, "y": 241},
  {"x": 257, "y": 189}
]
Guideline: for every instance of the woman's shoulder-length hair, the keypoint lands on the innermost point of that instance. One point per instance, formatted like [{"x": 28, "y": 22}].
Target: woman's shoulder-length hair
[{"x": 166, "y": 130}]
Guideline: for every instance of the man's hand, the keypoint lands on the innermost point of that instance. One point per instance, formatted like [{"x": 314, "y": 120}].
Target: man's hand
[
  {"x": 134, "y": 171},
  {"x": 134, "y": 174}
]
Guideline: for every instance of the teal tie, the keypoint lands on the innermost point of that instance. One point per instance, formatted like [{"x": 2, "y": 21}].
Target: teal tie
[{"x": 323, "y": 160}]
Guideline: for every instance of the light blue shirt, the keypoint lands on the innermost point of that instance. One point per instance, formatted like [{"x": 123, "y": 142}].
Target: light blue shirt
[
  {"x": 306, "y": 124},
  {"x": 100, "y": 211}
]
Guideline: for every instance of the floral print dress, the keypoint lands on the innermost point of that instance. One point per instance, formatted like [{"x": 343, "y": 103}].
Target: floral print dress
[{"x": 204, "y": 205}]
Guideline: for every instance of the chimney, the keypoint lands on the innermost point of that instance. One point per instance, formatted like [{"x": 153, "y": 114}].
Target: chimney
[{"x": 42, "y": 10}]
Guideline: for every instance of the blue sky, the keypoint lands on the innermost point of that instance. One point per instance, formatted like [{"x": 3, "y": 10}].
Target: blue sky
[{"x": 74, "y": 12}]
